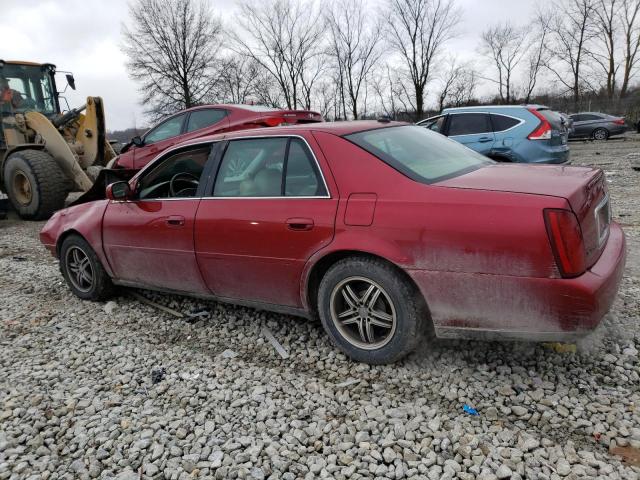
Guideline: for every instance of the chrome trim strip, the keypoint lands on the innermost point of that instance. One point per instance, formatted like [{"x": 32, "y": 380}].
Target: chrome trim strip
[{"x": 605, "y": 201}]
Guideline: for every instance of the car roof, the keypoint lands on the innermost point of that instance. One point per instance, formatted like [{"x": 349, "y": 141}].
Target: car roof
[
  {"x": 495, "y": 107},
  {"x": 335, "y": 128}
]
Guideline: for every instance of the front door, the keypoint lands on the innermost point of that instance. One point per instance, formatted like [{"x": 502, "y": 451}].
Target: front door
[
  {"x": 472, "y": 130},
  {"x": 270, "y": 210},
  {"x": 148, "y": 240}
]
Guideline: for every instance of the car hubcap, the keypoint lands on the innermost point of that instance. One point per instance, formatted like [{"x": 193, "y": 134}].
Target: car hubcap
[
  {"x": 363, "y": 313},
  {"x": 22, "y": 188},
  {"x": 79, "y": 268},
  {"x": 600, "y": 135}
]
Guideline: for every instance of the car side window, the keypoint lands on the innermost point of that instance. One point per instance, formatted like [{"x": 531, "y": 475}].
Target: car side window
[
  {"x": 502, "y": 122},
  {"x": 588, "y": 117},
  {"x": 252, "y": 168},
  {"x": 302, "y": 178},
  {"x": 434, "y": 124},
  {"x": 169, "y": 128},
  {"x": 468, "y": 124},
  {"x": 203, "y": 118},
  {"x": 576, "y": 118},
  {"x": 176, "y": 176}
]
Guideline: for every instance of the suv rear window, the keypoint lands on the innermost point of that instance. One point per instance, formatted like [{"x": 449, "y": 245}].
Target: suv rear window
[
  {"x": 418, "y": 153},
  {"x": 502, "y": 123}
]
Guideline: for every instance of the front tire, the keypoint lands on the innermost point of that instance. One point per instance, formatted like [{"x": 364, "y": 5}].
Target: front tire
[
  {"x": 370, "y": 311},
  {"x": 83, "y": 271},
  {"x": 600, "y": 134},
  {"x": 34, "y": 184}
]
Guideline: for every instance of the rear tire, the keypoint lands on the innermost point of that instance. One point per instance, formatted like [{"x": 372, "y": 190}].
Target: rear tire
[
  {"x": 34, "y": 184},
  {"x": 83, "y": 271},
  {"x": 600, "y": 134},
  {"x": 370, "y": 311}
]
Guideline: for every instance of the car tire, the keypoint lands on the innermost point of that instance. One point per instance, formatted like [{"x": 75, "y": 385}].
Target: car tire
[
  {"x": 600, "y": 134},
  {"x": 384, "y": 310},
  {"x": 34, "y": 184},
  {"x": 83, "y": 271}
]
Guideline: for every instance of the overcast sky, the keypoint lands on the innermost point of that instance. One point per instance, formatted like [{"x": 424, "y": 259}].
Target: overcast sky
[{"x": 84, "y": 36}]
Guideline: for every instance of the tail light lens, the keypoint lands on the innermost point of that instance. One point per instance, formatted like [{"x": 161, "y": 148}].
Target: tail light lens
[
  {"x": 273, "y": 121},
  {"x": 565, "y": 236},
  {"x": 543, "y": 130},
  {"x": 619, "y": 121}
]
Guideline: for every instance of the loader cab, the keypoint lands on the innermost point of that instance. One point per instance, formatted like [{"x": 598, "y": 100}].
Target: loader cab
[{"x": 33, "y": 87}]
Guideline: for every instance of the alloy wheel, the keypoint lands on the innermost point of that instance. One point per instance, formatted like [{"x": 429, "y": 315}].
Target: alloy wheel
[
  {"x": 79, "y": 269},
  {"x": 600, "y": 134},
  {"x": 363, "y": 313}
]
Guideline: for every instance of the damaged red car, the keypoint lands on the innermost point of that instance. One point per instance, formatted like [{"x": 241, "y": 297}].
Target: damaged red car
[
  {"x": 382, "y": 229},
  {"x": 205, "y": 120}
]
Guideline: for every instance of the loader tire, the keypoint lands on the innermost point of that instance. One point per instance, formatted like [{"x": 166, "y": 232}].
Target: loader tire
[{"x": 34, "y": 184}]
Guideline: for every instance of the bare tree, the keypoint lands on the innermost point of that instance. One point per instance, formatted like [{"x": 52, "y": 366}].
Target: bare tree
[
  {"x": 172, "y": 48},
  {"x": 607, "y": 28},
  {"x": 284, "y": 37},
  {"x": 571, "y": 31},
  {"x": 630, "y": 18},
  {"x": 354, "y": 48},
  {"x": 390, "y": 93},
  {"x": 505, "y": 46},
  {"x": 238, "y": 80},
  {"x": 418, "y": 29},
  {"x": 538, "y": 55},
  {"x": 459, "y": 82}
]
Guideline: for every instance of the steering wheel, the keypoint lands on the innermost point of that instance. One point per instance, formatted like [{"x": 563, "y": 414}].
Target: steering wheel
[{"x": 188, "y": 178}]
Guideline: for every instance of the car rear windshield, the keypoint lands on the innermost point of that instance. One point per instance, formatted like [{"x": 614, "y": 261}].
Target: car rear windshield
[{"x": 418, "y": 153}]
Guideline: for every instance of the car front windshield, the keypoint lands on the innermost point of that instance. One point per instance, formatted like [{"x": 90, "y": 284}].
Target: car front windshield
[
  {"x": 418, "y": 153},
  {"x": 30, "y": 87}
]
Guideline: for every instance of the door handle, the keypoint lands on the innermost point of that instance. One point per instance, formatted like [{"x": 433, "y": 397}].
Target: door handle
[
  {"x": 485, "y": 139},
  {"x": 175, "y": 221},
  {"x": 299, "y": 224}
]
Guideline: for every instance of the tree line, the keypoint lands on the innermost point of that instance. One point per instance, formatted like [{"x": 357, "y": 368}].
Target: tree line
[{"x": 353, "y": 59}]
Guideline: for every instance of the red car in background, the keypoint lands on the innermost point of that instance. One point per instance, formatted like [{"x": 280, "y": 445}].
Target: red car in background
[
  {"x": 205, "y": 120},
  {"x": 382, "y": 229}
]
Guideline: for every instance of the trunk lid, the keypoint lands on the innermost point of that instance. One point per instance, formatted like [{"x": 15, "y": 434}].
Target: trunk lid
[{"x": 584, "y": 188}]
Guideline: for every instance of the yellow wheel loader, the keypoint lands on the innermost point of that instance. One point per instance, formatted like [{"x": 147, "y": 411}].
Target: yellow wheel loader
[{"x": 44, "y": 153}]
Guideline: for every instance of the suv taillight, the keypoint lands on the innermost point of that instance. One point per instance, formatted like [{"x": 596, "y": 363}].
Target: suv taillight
[
  {"x": 565, "y": 236},
  {"x": 543, "y": 130}
]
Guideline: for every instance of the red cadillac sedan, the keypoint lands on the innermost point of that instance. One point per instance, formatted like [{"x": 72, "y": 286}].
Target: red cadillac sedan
[{"x": 384, "y": 230}]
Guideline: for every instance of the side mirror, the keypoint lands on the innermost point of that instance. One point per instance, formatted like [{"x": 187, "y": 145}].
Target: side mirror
[
  {"x": 71, "y": 81},
  {"x": 137, "y": 141},
  {"x": 118, "y": 191}
]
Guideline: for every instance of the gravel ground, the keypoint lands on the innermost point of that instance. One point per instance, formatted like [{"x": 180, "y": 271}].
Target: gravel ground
[{"x": 121, "y": 389}]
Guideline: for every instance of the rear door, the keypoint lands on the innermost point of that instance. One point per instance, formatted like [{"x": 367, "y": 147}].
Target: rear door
[
  {"x": 473, "y": 130},
  {"x": 269, "y": 210}
]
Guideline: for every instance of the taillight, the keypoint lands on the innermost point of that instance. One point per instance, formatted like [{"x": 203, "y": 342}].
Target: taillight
[
  {"x": 565, "y": 236},
  {"x": 619, "y": 121},
  {"x": 543, "y": 130}
]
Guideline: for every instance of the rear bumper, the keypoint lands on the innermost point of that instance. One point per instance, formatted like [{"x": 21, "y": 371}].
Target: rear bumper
[{"x": 472, "y": 305}]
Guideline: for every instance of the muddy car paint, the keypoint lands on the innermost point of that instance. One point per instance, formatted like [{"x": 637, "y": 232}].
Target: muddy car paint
[{"x": 475, "y": 244}]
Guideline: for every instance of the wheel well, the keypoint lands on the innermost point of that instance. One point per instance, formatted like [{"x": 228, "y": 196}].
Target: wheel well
[
  {"x": 63, "y": 237},
  {"x": 325, "y": 263}
]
